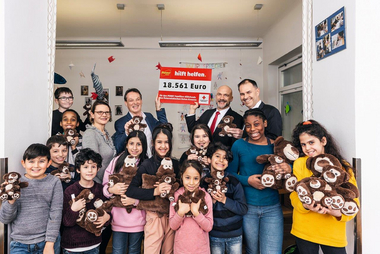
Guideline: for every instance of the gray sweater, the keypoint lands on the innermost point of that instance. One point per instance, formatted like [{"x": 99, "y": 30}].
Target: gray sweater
[
  {"x": 102, "y": 144},
  {"x": 36, "y": 215}
]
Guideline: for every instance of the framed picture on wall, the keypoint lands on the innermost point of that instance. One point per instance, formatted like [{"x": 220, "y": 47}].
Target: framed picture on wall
[
  {"x": 119, "y": 91},
  {"x": 118, "y": 110},
  {"x": 330, "y": 35},
  {"x": 106, "y": 92},
  {"x": 84, "y": 90}
]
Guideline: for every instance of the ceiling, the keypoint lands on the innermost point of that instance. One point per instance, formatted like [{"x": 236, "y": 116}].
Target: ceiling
[{"x": 99, "y": 19}]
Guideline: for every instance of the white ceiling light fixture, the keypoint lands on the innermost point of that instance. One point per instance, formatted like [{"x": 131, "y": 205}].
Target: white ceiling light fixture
[
  {"x": 227, "y": 44},
  {"x": 67, "y": 44},
  {"x": 61, "y": 44},
  {"x": 258, "y": 7}
]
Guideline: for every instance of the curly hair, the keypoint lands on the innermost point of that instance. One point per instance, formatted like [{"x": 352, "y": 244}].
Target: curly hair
[{"x": 313, "y": 128}]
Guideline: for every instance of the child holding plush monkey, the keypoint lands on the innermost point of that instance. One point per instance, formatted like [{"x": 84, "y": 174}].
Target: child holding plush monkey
[
  {"x": 314, "y": 225},
  {"x": 74, "y": 237},
  {"x": 228, "y": 207},
  {"x": 128, "y": 228},
  {"x": 200, "y": 138},
  {"x": 159, "y": 237},
  {"x": 191, "y": 230}
]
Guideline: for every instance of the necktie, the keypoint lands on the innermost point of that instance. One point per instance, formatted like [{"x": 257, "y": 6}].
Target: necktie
[{"x": 214, "y": 122}]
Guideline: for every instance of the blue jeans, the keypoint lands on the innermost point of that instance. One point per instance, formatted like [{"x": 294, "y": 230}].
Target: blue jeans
[
  {"x": 21, "y": 248},
  {"x": 233, "y": 245},
  {"x": 263, "y": 229},
  {"x": 122, "y": 240},
  {"x": 92, "y": 251}
]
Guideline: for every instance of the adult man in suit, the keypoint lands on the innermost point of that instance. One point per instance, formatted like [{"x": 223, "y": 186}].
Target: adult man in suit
[
  {"x": 250, "y": 97},
  {"x": 133, "y": 101},
  {"x": 223, "y": 100}
]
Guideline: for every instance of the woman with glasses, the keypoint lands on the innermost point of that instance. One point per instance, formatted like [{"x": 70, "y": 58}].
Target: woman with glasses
[{"x": 97, "y": 137}]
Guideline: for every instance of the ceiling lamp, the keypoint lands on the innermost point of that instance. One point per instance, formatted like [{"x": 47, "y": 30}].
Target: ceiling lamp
[
  {"x": 88, "y": 44},
  {"x": 236, "y": 44}
]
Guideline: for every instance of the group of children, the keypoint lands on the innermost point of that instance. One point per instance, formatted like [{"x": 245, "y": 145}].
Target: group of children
[{"x": 44, "y": 220}]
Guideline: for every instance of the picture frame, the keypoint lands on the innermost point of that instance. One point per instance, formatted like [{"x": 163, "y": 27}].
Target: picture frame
[
  {"x": 118, "y": 110},
  {"x": 119, "y": 91},
  {"x": 330, "y": 35},
  {"x": 84, "y": 90}
]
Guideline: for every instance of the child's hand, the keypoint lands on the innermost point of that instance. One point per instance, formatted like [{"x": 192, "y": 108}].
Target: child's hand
[
  {"x": 78, "y": 205},
  {"x": 183, "y": 208},
  {"x": 219, "y": 196},
  {"x": 195, "y": 208},
  {"x": 76, "y": 139},
  {"x": 127, "y": 200},
  {"x": 162, "y": 187},
  {"x": 255, "y": 182},
  {"x": 64, "y": 176},
  {"x": 316, "y": 208},
  {"x": 236, "y": 132},
  {"x": 335, "y": 213},
  {"x": 118, "y": 189},
  {"x": 49, "y": 248},
  {"x": 102, "y": 220},
  {"x": 282, "y": 168},
  {"x": 192, "y": 157},
  {"x": 205, "y": 161},
  {"x": 11, "y": 201}
]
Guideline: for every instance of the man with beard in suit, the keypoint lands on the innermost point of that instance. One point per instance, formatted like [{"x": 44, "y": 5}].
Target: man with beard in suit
[{"x": 212, "y": 117}]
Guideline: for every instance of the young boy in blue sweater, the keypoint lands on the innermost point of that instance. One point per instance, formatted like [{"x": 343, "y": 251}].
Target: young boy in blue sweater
[
  {"x": 36, "y": 216},
  {"x": 228, "y": 208}
]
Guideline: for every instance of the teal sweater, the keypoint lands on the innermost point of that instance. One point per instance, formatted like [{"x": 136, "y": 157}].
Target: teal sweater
[{"x": 244, "y": 165}]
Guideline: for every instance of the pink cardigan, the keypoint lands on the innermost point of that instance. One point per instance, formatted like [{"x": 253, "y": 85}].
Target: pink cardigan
[
  {"x": 121, "y": 220},
  {"x": 191, "y": 234}
]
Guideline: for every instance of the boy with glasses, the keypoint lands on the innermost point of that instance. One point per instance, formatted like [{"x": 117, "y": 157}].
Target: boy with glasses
[{"x": 64, "y": 98}]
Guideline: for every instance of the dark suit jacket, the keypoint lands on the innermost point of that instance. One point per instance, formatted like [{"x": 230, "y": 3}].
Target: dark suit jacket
[
  {"x": 205, "y": 118},
  {"x": 120, "y": 137},
  {"x": 274, "y": 128}
]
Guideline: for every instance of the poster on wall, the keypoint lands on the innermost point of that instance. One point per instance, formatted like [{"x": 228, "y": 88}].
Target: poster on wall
[
  {"x": 330, "y": 35},
  {"x": 185, "y": 85}
]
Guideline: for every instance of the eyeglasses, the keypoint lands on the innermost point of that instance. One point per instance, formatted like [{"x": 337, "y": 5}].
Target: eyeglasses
[
  {"x": 107, "y": 113},
  {"x": 66, "y": 98}
]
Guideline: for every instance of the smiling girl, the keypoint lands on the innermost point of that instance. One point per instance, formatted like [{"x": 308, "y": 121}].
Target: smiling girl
[
  {"x": 263, "y": 223},
  {"x": 312, "y": 139},
  {"x": 191, "y": 231},
  {"x": 201, "y": 138},
  {"x": 128, "y": 228},
  {"x": 159, "y": 237}
]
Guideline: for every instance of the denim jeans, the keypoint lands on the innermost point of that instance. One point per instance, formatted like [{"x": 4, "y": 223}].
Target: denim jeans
[
  {"x": 231, "y": 245},
  {"x": 123, "y": 241},
  {"x": 263, "y": 228},
  {"x": 21, "y": 248},
  {"x": 92, "y": 251},
  {"x": 306, "y": 247}
]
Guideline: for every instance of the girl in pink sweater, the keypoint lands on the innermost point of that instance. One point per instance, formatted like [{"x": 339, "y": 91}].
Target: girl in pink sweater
[
  {"x": 128, "y": 228},
  {"x": 191, "y": 234}
]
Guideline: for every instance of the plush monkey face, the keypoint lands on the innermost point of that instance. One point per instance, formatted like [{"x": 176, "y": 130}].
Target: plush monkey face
[
  {"x": 227, "y": 119},
  {"x": 137, "y": 119},
  {"x": 334, "y": 175},
  {"x": 167, "y": 163},
  {"x": 12, "y": 177},
  {"x": 285, "y": 149},
  {"x": 130, "y": 161},
  {"x": 316, "y": 164}
]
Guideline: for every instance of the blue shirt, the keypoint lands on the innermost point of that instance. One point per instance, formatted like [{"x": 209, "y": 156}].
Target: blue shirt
[{"x": 244, "y": 165}]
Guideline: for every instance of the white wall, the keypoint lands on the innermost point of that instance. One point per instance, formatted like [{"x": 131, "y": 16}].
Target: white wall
[
  {"x": 280, "y": 39},
  {"x": 2, "y": 80},
  {"x": 136, "y": 68},
  {"x": 367, "y": 112},
  {"x": 24, "y": 89},
  {"x": 334, "y": 87}
]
